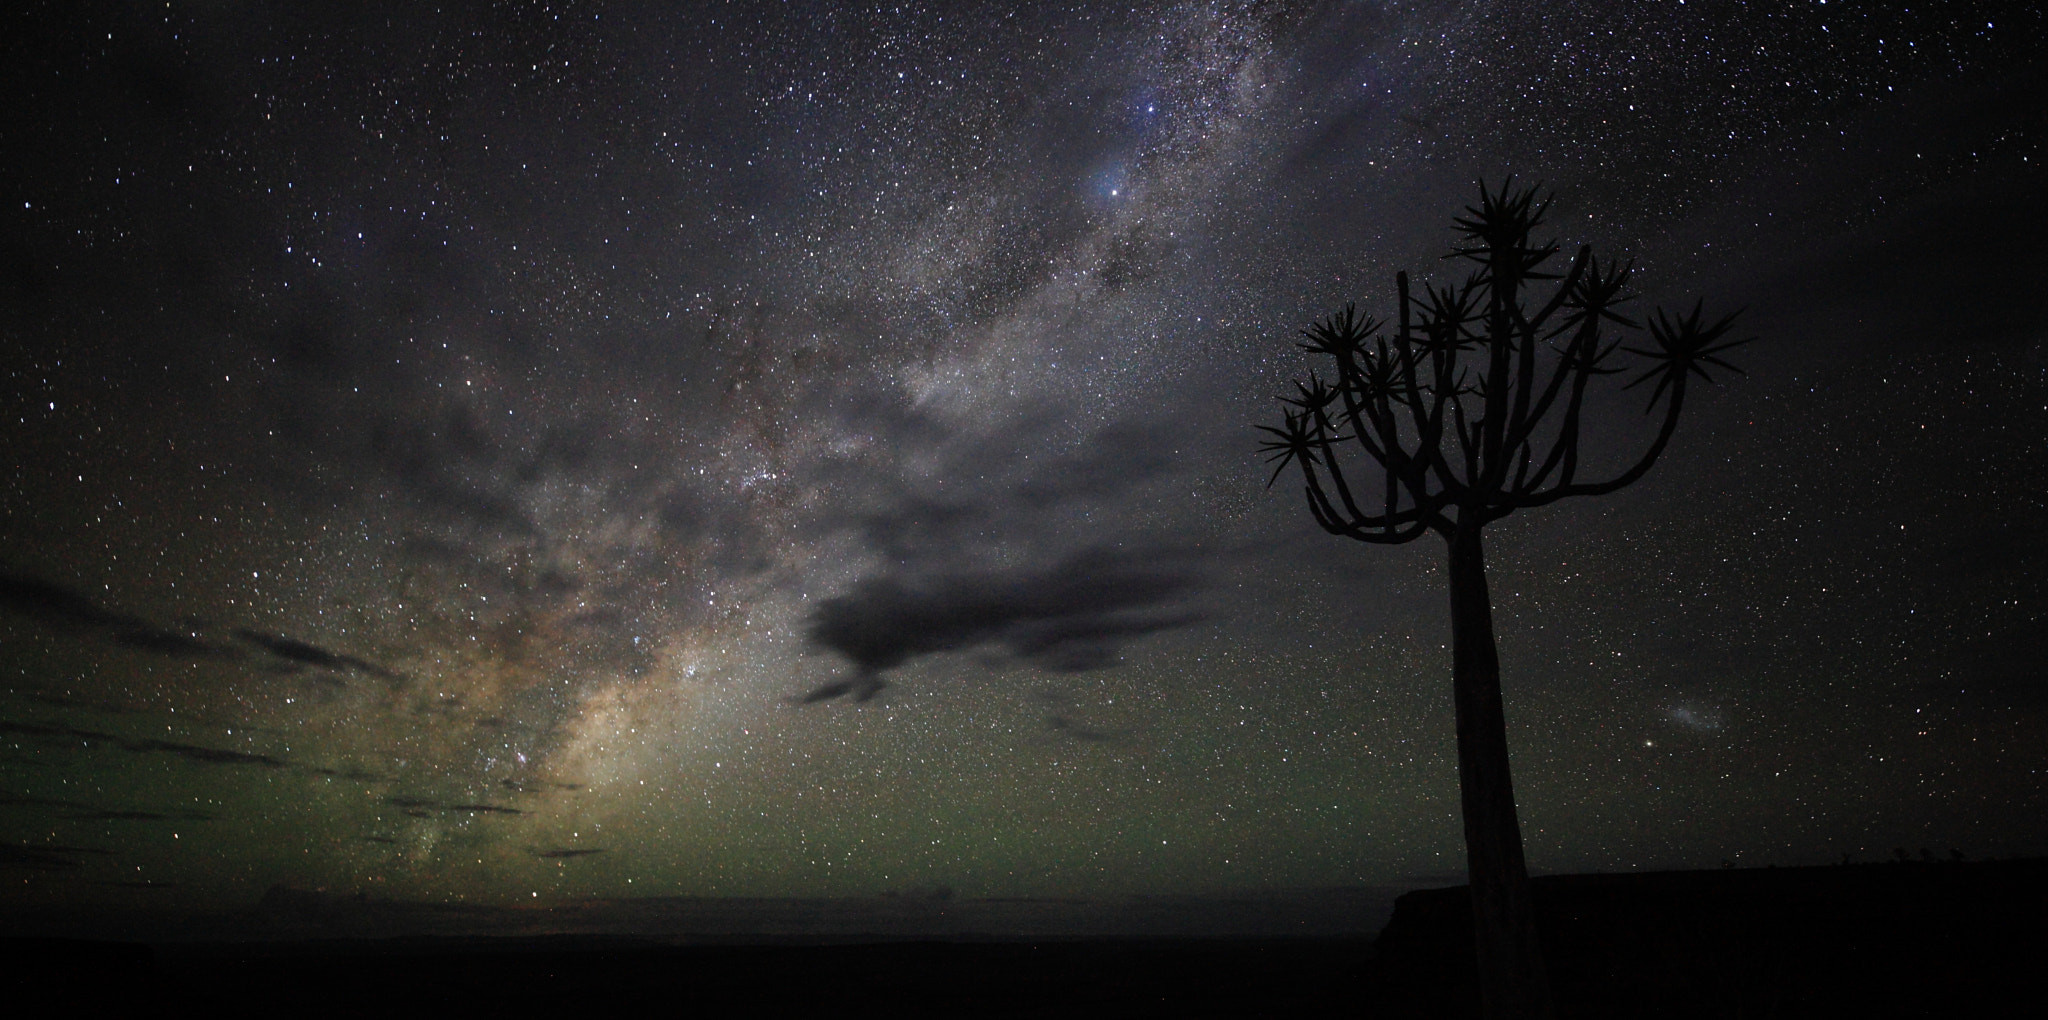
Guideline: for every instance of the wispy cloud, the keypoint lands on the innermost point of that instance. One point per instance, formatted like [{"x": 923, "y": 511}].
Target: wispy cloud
[{"x": 190, "y": 752}]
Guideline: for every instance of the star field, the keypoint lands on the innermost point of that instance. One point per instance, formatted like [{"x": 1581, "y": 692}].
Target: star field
[{"x": 443, "y": 448}]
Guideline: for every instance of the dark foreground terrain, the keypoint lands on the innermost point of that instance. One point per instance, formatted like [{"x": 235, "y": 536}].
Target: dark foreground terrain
[
  {"x": 1867, "y": 940},
  {"x": 1862, "y": 941}
]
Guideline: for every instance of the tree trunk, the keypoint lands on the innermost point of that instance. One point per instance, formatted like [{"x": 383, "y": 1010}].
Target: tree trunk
[{"x": 1512, "y": 982}]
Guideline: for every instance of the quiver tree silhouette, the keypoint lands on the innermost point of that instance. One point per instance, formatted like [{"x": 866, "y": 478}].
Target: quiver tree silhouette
[{"x": 1468, "y": 413}]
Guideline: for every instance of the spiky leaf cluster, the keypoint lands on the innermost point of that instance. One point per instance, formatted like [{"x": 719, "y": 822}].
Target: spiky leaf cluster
[{"x": 1472, "y": 408}]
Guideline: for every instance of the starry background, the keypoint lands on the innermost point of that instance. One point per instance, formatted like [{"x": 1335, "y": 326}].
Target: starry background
[{"x": 442, "y": 446}]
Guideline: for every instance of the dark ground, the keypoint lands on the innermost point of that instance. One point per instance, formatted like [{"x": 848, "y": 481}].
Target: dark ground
[
  {"x": 1892, "y": 940},
  {"x": 610, "y": 977},
  {"x": 1914, "y": 939}
]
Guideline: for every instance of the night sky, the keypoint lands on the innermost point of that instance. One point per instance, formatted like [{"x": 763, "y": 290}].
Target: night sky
[{"x": 488, "y": 453}]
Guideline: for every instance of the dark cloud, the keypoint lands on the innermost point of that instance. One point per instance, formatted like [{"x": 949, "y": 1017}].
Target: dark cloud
[
  {"x": 92, "y": 812},
  {"x": 206, "y": 755},
  {"x": 164, "y": 642},
  {"x": 419, "y": 807},
  {"x": 63, "y": 609},
  {"x": 295, "y": 651},
  {"x": 45, "y": 858},
  {"x": 360, "y": 775},
  {"x": 536, "y": 786},
  {"x": 558, "y": 855},
  {"x": 1063, "y": 718},
  {"x": 1087, "y": 640},
  {"x": 51, "y": 604},
  {"x": 49, "y": 802},
  {"x": 1075, "y": 615},
  {"x": 190, "y": 752},
  {"x": 140, "y": 816},
  {"x": 1066, "y": 726},
  {"x": 54, "y": 730},
  {"x": 863, "y": 686},
  {"x": 65, "y": 700}
]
